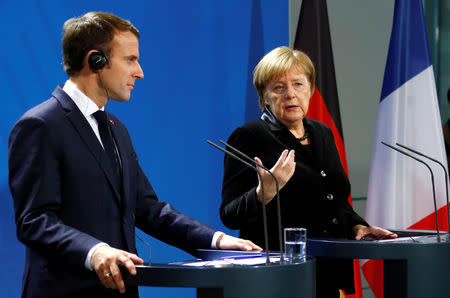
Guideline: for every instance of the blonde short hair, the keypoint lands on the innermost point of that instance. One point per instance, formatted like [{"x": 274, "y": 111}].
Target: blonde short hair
[{"x": 278, "y": 62}]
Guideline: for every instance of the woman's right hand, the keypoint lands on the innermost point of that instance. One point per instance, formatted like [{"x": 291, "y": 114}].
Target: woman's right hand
[{"x": 282, "y": 170}]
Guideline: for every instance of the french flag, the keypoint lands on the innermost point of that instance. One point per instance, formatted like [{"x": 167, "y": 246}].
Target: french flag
[{"x": 400, "y": 194}]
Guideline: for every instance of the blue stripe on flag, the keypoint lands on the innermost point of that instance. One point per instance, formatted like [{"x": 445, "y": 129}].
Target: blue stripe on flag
[
  {"x": 408, "y": 49},
  {"x": 255, "y": 53}
]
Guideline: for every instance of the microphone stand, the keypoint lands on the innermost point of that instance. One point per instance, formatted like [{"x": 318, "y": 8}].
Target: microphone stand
[
  {"x": 280, "y": 237},
  {"x": 266, "y": 237},
  {"x": 432, "y": 183},
  {"x": 148, "y": 246},
  {"x": 445, "y": 173}
]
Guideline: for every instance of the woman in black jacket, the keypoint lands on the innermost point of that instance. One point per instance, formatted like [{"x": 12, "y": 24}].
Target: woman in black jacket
[{"x": 314, "y": 187}]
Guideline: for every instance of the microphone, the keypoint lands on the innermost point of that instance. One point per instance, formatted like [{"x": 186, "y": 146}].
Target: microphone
[
  {"x": 143, "y": 241},
  {"x": 432, "y": 183},
  {"x": 445, "y": 174},
  {"x": 280, "y": 237},
  {"x": 266, "y": 237}
]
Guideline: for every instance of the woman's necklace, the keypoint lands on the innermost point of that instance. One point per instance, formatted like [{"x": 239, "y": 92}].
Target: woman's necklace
[{"x": 305, "y": 136}]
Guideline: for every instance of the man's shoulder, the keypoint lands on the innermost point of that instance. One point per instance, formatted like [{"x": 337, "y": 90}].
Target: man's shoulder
[
  {"x": 48, "y": 112},
  {"x": 45, "y": 110},
  {"x": 49, "y": 108},
  {"x": 49, "y": 104}
]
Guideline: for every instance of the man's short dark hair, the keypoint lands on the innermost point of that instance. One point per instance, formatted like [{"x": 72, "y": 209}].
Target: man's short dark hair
[{"x": 92, "y": 31}]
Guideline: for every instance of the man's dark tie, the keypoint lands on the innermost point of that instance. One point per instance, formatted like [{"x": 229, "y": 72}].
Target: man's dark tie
[{"x": 109, "y": 146}]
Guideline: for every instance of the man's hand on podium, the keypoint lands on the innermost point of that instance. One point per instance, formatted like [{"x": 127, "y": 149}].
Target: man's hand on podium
[
  {"x": 372, "y": 232},
  {"x": 106, "y": 260},
  {"x": 229, "y": 242}
]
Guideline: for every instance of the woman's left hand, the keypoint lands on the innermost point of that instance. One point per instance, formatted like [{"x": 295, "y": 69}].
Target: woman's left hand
[{"x": 372, "y": 232}]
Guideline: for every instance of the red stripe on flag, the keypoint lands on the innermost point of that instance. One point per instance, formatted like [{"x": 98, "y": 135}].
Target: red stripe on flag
[
  {"x": 373, "y": 271},
  {"x": 429, "y": 222},
  {"x": 357, "y": 279}
]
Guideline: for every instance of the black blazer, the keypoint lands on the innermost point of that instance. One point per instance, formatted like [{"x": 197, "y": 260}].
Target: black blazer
[
  {"x": 65, "y": 201},
  {"x": 314, "y": 198}
]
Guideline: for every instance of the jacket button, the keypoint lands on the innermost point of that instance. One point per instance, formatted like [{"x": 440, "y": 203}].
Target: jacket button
[
  {"x": 334, "y": 220},
  {"x": 330, "y": 197},
  {"x": 323, "y": 173}
]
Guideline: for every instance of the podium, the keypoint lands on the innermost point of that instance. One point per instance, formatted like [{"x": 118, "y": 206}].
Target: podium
[
  {"x": 414, "y": 265},
  {"x": 258, "y": 281}
]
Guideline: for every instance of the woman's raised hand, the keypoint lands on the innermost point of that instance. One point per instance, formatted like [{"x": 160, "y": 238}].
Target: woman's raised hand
[{"x": 282, "y": 170}]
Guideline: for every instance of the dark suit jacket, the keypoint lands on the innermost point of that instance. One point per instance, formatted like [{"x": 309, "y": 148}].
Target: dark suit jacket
[
  {"x": 314, "y": 198},
  {"x": 65, "y": 201}
]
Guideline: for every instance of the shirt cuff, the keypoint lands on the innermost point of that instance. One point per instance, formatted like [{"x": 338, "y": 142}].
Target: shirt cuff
[
  {"x": 215, "y": 237},
  {"x": 87, "y": 262}
]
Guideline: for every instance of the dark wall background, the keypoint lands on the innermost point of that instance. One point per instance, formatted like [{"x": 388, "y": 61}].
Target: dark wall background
[{"x": 196, "y": 57}]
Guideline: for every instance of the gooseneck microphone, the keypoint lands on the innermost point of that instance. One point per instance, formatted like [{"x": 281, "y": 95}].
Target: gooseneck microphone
[
  {"x": 280, "y": 237},
  {"x": 148, "y": 246},
  {"x": 445, "y": 173},
  {"x": 266, "y": 237},
  {"x": 432, "y": 183}
]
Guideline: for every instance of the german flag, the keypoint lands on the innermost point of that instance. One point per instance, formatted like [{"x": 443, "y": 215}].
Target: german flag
[{"x": 313, "y": 38}]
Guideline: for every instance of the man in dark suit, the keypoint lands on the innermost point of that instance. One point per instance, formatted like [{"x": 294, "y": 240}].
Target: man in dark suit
[{"x": 77, "y": 185}]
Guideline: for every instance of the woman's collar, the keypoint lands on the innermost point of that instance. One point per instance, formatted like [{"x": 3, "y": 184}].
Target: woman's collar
[{"x": 268, "y": 117}]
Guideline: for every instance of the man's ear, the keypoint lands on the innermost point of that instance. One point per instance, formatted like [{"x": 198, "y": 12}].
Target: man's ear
[{"x": 97, "y": 60}]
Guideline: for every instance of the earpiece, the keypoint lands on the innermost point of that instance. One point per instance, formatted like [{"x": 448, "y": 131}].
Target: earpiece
[{"x": 97, "y": 60}]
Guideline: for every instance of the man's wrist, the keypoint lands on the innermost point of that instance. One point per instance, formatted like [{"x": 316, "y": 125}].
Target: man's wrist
[
  {"x": 218, "y": 241},
  {"x": 87, "y": 262},
  {"x": 215, "y": 243}
]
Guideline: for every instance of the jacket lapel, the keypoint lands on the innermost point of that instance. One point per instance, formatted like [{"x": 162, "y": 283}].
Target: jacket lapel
[{"x": 87, "y": 135}]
